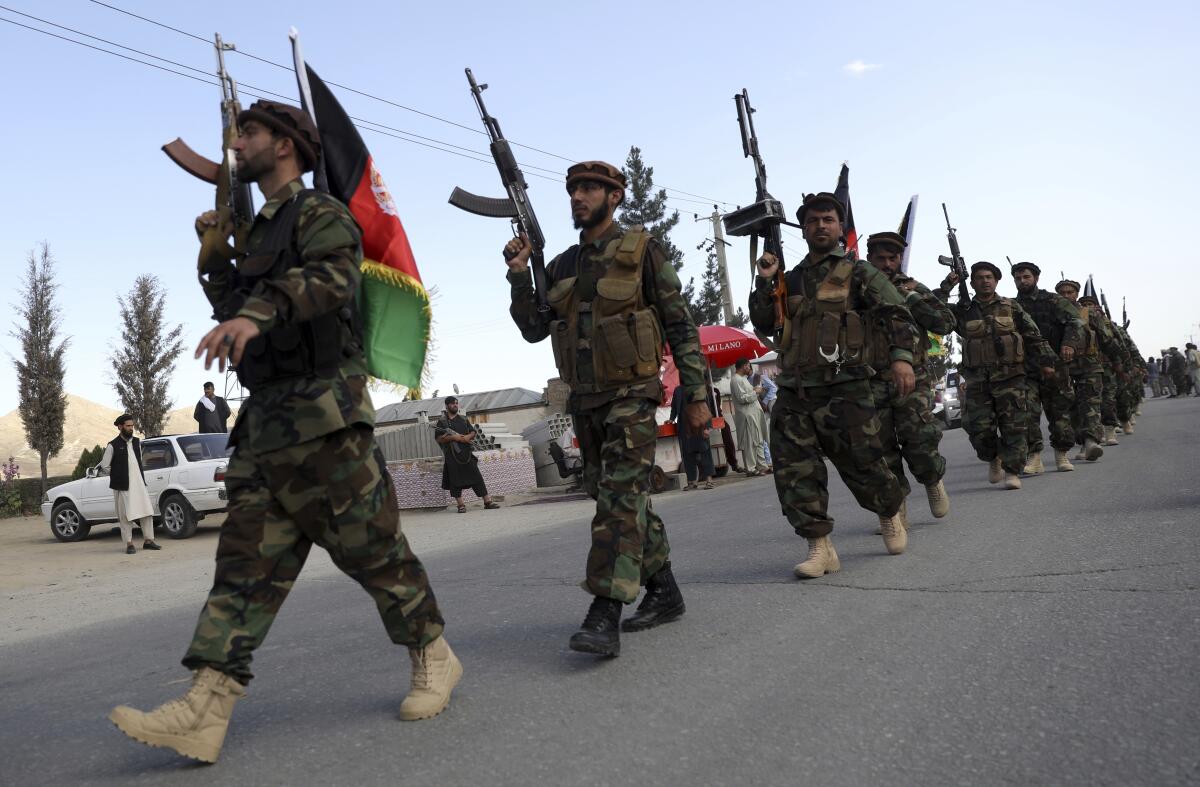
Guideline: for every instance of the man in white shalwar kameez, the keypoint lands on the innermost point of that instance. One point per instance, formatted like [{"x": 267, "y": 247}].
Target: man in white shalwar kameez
[
  {"x": 749, "y": 420},
  {"x": 122, "y": 462}
]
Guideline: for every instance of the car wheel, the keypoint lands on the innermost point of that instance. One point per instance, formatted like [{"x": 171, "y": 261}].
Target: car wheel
[
  {"x": 178, "y": 518},
  {"x": 67, "y": 524}
]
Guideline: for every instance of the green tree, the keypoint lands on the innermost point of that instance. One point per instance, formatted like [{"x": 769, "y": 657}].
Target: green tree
[
  {"x": 145, "y": 358},
  {"x": 646, "y": 206},
  {"x": 90, "y": 457},
  {"x": 707, "y": 308},
  {"x": 42, "y": 403}
]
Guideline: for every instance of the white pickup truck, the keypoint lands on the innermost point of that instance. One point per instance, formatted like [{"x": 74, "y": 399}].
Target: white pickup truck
[{"x": 185, "y": 476}]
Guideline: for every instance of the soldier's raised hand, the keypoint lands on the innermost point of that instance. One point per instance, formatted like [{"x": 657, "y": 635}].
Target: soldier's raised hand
[{"x": 517, "y": 251}]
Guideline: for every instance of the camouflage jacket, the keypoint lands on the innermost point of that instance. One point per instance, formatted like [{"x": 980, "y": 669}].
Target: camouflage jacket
[
  {"x": 1111, "y": 351},
  {"x": 871, "y": 294},
  {"x": 1056, "y": 317},
  {"x": 930, "y": 313},
  {"x": 330, "y": 242},
  {"x": 660, "y": 289},
  {"x": 1136, "y": 361},
  {"x": 1035, "y": 347}
]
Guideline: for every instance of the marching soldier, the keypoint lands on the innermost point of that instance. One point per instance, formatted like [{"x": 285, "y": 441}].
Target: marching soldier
[
  {"x": 996, "y": 334},
  {"x": 614, "y": 298},
  {"x": 305, "y": 468},
  {"x": 1115, "y": 372},
  {"x": 907, "y": 426},
  {"x": 1087, "y": 373},
  {"x": 825, "y": 406},
  {"x": 1058, "y": 322}
]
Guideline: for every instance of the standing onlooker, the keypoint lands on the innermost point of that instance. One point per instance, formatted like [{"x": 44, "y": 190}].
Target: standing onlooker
[
  {"x": 731, "y": 451},
  {"x": 693, "y": 446},
  {"x": 129, "y": 487},
  {"x": 749, "y": 417},
  {"x": 211, "y": 412},
  {"x": 1193, "y": 368},
  {"x": 1152, "y": 375},
  {"x": 460, "y": 469},
  {"x": 1179, "y": 372},
  {"x": 1165, "y": 377}
]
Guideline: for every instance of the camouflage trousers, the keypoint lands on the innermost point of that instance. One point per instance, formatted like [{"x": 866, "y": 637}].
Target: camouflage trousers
[
  {"x": 835, "y": 421},
  {"x": 1127, "y": 398},
  {"x": 907, "y": 430},
  {"x": 995, "y": 420},
  {"x": 629, "y": 542},
  {"x": 1088, "y": 382},
  {"x": 333, "y": 491},
  {"x": 1056, "y": 397},
  {"x": 1108, "y": 400}
]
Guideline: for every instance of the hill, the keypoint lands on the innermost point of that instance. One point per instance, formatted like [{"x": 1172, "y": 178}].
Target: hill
[{"x": 87, "y": 424}]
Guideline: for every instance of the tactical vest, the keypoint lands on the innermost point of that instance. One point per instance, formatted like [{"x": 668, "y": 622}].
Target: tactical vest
[
  {"x": 1092, "y": 347},
  {"x": 118, "y": 470},
  {"x": 626, "y": 339},
  {"x": 826, "y": 329},
  {"x": 993, "y": 340},
  {"x": 292, "y": 350}
]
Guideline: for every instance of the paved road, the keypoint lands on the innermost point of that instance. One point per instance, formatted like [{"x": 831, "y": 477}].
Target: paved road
[{"x": 1047, "y": 636}]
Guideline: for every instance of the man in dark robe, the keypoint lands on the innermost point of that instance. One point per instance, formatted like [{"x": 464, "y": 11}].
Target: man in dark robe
[
  {"x": 211, "y": 412},
  {"x": 461, "y": 467}
]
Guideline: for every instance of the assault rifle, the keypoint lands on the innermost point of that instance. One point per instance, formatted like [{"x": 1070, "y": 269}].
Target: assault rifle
[
  {"x": 1124, "y": 315},
  {"x": 764, "y": 218},
  {"x": 235, "y": 205},
  {"x": 1104, "y": 304},
  {"x": 516, "y": 207},
  {"x": 955, "y": 261},
  {"x": 456, "y": 448}
]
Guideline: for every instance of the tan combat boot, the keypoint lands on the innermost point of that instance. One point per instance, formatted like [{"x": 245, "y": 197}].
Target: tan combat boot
[
  {"x": 822, "y": 559},
  {"x": 895, "y": 535},
  {"x": 1127, "y": 426},
  {"x": 1091, "y": 450},
  {"x": 435, "y": 673},
  {"x": 1062, "y": 462},
  {"x": 995, "y": 471},
  {"x": 1079, "y": 457},
  {"x": 193, "y": 725},
  {"x": 1012, "y": 481},
  {"x": 1110, "y": 435},
  {"x": 939, "y": 501},
  {"x": 1033, "y": 465}
]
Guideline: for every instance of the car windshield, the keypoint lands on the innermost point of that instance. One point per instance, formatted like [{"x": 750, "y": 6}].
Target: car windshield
[{"x": 199, "y": 447}]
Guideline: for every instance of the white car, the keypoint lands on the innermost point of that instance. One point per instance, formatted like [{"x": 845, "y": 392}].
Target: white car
[{"x": 185, "y": 476}]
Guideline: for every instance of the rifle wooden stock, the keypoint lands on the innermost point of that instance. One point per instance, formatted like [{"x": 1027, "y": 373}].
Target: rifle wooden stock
[{"x": 192, "y": 162}]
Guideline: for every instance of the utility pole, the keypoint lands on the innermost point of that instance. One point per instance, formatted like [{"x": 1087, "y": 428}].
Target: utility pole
[{"x": 719, "y": 245}]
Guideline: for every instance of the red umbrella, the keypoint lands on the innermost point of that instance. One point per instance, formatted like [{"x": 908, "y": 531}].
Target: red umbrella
[{"x": 722, "y": 345}]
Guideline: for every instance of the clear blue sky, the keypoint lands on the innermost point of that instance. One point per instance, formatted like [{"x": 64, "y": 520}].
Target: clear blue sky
[{"x": 1063, "y": 133}]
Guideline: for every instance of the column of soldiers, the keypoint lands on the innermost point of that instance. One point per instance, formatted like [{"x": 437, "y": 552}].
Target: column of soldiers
[{"x": 854, "y": 388}]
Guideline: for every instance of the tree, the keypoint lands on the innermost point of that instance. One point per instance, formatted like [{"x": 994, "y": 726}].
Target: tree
[
  {"x": 90, "y": 457},
  {"x": 144, "y": 360},
  {"x": 643, "y": 205},
  {"x": 42, "y": 403},
  {"x": 707, "y": 308}
]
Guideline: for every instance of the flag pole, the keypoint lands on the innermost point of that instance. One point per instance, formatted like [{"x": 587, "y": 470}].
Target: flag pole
[{"x": 320, "y": 181}]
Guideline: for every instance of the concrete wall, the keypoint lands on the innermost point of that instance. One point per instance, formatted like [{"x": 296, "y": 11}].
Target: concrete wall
[{"x": 418, "y": 482}]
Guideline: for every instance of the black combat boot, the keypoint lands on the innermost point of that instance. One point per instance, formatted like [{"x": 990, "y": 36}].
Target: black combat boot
[
  {"x": 601, "y": 629},
  {"x": 662, "y": 603}
]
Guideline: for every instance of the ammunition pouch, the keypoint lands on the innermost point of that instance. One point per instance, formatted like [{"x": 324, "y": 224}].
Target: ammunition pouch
[
  {"x": 993, "y": 340},
  {"x": 826, "y": 330},
  {"x": 292, "y": 350}
]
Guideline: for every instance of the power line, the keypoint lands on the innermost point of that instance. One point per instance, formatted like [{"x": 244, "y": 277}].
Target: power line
[{"x": 702, "y": 199}]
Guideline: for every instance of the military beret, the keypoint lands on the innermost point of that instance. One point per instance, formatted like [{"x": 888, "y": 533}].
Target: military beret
[
  {"x": 293, "y": 123},
  {"x": 822, "y": 201},
  {"x": 122, "y": 418},
  {"x": 1067, "y": 282},
  {"x": 1090, "y": 297},
  {"x": 985, "y": 265},
  {"x": 886, "y": 239},
  {"x": 1027, "y": 265},
  {"x": 597, "y": 171}
]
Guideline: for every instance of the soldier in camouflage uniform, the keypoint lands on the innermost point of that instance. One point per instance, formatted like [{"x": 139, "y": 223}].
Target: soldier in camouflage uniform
[
  {"x": 1087, "y": 374},
  {"x": 996, "y": 334},
  {"x": 305, "y": 468},
  {"x": 1130, "y": 388},
  {"x": 1115, "y": 373},
  {"x": 825, "y": 406},
  {"x": 1058, "y": 322},
  {"x": 614, "y": 298},
  {"x": 908, "y": 428}
]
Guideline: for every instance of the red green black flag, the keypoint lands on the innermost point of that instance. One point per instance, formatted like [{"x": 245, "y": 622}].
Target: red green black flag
[{"x": 842, "y": 192}]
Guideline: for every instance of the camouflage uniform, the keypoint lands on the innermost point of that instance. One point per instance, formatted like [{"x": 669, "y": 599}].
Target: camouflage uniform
[
  {"x": 1112, "y": 369},
  {"x": 1058, "y": 322},
  {"x": 994, "y": 409},
  {"x": 827, "y": 411},
  {"x": 907, "y": 425},
  {"x": 616, "y": 427},
  {"x": 1130, "y": 389},
  {"x": 1100, "y": 349},
  {"x": 305, "y": 468}
]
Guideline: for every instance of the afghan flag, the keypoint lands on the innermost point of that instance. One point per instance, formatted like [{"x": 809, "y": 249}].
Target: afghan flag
[
  {"x": 842, "y": 192},
  {"x": 393, "y": 301},
  {"x": 908, "y": 227}
]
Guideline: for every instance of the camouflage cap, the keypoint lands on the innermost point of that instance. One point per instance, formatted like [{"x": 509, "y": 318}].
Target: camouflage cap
[
  {"x": 985, "y": 265},
  {"x": 821, "y": 201},
  {"x": 1067, "y": 283},
  {"x": 1027, "y": 266},
  {"x": 886, "y": 239},
  {"x": 598, "y": 171},
  {"x": 293, "y": 123}
]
